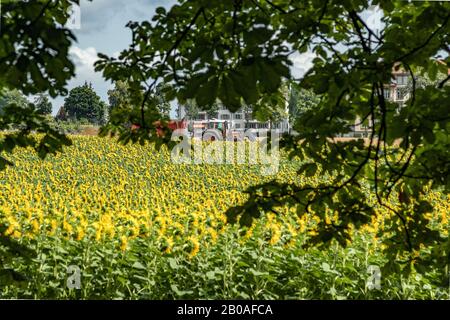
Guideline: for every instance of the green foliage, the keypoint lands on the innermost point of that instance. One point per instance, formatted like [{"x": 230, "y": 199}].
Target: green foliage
[
  {"x": 118, "y": 96},
  {"x": 191, "y": 108},
  {"x": 300, "y": 101},
  {"x": 271, "y": 107},
  {"x": 34, "y": 58},
  {"x": 15, "y": 97},
  {"x": 83, "y": 103},
  {"x": 225, "y": 270},
  {"x": 43, "y": 104},
  {"x": 12, "y": 251},
  {"x": 238, "y": 51},
  {"x": 163, "y": 105},
  {"x": 34, "y": 48}
]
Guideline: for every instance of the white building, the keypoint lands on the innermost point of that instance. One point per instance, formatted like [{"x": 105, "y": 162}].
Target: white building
[{"x": 236, "y": 121}]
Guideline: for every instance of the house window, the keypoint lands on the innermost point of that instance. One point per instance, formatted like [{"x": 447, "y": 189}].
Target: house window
[
  {"x": 238, "y": 116},
  {"x": 225, "y": 117},
  {"x": 402, "y": 80},
  {"x": 387, "y": 93},
  {"x": 237, "y": 125},
  {"x": 399, "y": 95}
]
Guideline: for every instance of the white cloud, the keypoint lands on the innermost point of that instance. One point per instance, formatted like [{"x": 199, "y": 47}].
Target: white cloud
[
  {"x": 301, "y": 63},
  {"x": 84, "y": 60},
  {"x": 98, "y": 15},
  {"x": 83, "y": 57}
]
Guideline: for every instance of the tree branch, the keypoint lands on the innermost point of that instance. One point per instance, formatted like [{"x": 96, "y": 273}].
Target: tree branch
[
  {"x": 169, "y": 52},
  {"x": 355, "y": 19},
  {"x": 277, "y": 7},
  {"x": 423, "y": 45}
]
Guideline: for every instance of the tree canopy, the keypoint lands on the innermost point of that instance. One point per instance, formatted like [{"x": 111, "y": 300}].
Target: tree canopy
[
  {"x": 34, "y": 46},
  {"x": 43, "y": 104},
  {"x": 118, "y": 96},
  {"x": 83, "y": 103},
  {"x": 239, "y": 51},
  {"x": 161, "y": 102},
  {"x": 191, "y": 109},
  {"x": 300, "y": 101}
]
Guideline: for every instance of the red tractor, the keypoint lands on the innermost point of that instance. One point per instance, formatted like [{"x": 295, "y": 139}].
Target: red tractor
[{"x": 172, "y": 125}]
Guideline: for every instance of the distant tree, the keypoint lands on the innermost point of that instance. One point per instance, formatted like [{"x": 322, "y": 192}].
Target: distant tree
[
  {"x": 248, "y": 113},
  {"x": 61, "y": 115},
  {"x": 163, "y": 105},
  {"x": 43, "y": 104},
  {"x": 213, "y": 109},
  {"x": 271, "y": 107},
  {"x": 300, "y": 101},
  {"x": 422, "y": 80},
  {"x": 191, "y": 109},
  {"x": 118, "y": 96},
  {"x": 104, "y": 113},
  {"x": 83, "y": 102}
]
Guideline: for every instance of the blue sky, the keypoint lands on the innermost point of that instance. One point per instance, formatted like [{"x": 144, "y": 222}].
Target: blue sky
[{"x": 102, "y": 30}]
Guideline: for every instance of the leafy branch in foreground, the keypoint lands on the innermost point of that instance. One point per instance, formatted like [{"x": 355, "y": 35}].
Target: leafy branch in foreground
[
  {"x": 34, "y": 47},
  {"x": 34, "y": 58}
]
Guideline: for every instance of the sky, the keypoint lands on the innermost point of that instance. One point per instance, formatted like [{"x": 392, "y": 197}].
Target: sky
[{"x": 102, "y": 30}]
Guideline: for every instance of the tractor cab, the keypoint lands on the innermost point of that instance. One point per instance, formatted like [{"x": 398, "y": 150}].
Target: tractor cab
[
  {"x": 217, "y": 125},
  {"x": 221, "y": 125}
]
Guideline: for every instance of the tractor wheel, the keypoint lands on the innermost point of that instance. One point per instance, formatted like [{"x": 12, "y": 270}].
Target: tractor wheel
[{"x": 212, "y": 135}]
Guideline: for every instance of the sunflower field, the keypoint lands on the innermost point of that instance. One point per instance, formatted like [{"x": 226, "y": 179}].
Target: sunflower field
[{"x": 135, "y": 225}]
